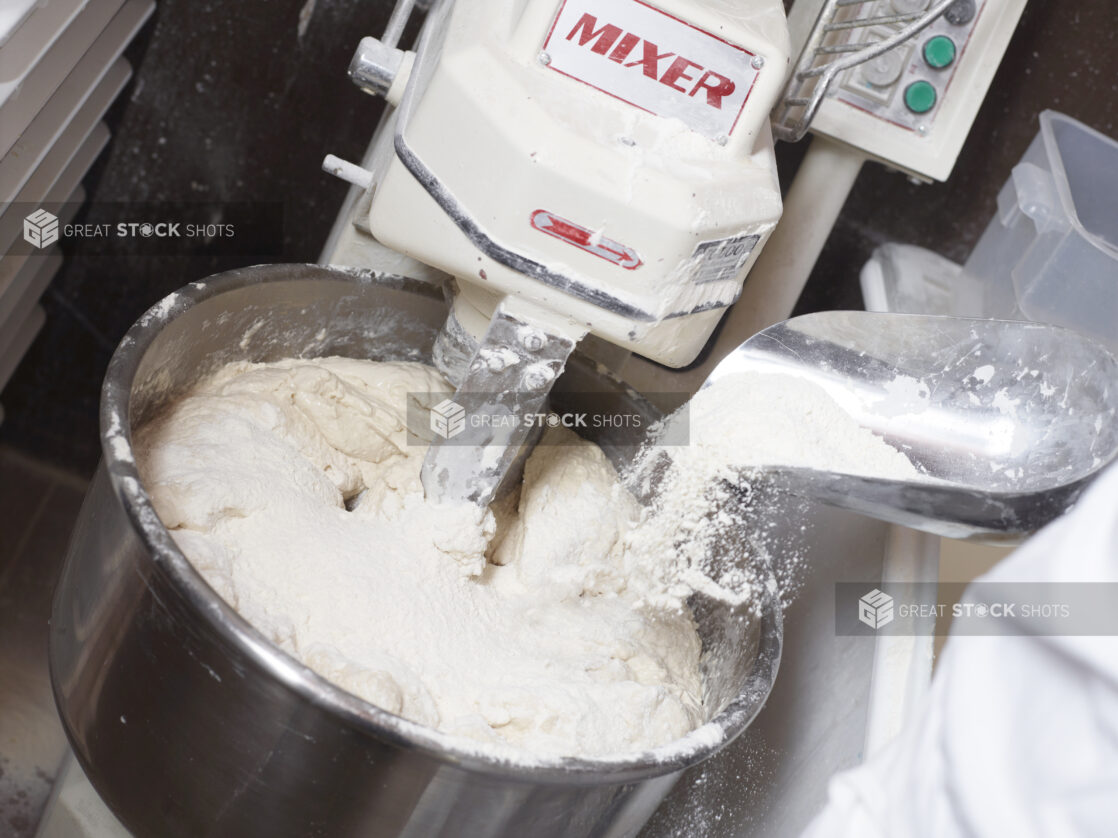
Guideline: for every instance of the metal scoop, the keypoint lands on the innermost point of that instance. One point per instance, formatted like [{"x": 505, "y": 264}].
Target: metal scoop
[{"x": 1012, "y": 420}]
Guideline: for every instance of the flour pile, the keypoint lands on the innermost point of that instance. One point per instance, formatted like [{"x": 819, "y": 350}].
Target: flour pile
[
  {"x": 554, "y": 624},
  {"x": 701, "y": 494}
]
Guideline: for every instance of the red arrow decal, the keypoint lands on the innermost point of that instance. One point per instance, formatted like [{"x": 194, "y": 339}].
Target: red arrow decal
[{"x": 585, "y": 239}]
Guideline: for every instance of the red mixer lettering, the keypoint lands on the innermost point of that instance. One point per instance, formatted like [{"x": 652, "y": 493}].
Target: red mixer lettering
[
  {"x": 654, "y": 61},
  {"x": 602, "y": 40}
]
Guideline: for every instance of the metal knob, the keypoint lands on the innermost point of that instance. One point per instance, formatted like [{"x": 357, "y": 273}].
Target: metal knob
[
  {"x": 961, "y": 13},
  {"x": 374, "y": 66}
]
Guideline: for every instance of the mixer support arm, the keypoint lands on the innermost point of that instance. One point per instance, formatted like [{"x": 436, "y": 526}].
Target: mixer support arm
[{"x": 482, "y": 431}]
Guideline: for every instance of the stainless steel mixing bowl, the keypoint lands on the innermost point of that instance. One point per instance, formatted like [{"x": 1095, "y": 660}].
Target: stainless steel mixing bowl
[{"x": 189, "y": 723}]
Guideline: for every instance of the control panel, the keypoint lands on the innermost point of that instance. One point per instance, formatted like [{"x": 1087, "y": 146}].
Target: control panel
[{"x": 912, "y": 107}]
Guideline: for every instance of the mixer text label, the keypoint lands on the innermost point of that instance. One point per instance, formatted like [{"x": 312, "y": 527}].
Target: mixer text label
[
  {"x": 716, "y": 86},
  {"x": 639, "y": 54}
]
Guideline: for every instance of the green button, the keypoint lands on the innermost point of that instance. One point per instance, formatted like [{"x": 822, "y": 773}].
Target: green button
[
  {"x": 939, "y": 52},
  {"x": 920, "y": 97}
]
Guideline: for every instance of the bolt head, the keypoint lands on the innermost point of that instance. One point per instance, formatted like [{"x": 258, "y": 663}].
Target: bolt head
[
  {"x": 537, "y": 377},
  {"x": 545, "y": 58},
  {"x": 758, "y": 62},
  {"x": 533, "y": 340}
]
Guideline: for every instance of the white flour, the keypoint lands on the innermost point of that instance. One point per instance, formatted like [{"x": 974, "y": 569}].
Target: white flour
[
  {"x": 736, "y": 426},
  {"x": 556, "y": 627}
]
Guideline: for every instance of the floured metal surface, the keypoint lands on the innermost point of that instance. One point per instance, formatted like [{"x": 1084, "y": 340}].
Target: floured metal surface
[{"x": 37, "y": 507}]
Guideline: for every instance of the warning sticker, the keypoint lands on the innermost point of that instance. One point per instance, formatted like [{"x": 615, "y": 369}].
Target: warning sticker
[
  {"x": 585, "y": 239},
  {"x": 722, "y": 259}
]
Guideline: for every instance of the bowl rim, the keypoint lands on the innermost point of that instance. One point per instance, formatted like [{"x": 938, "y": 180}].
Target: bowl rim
[{"x": 364, "y": 717}]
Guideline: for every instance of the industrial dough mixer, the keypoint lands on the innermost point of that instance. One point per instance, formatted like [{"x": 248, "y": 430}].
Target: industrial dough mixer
[
  {"x": 611, "y": 174},
  {"x": 594, "y": 173}
]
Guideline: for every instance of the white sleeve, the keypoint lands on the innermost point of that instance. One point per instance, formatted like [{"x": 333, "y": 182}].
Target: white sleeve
[{"x": 1018, "y": 734}]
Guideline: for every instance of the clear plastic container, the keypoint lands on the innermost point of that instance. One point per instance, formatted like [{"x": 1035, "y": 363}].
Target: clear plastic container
[{"x": 1051, "y": 253}]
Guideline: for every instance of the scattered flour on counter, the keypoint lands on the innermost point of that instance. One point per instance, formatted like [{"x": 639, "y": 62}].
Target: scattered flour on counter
[
  {"x": 554, "y": 623},
  {"x": 984, "y": 373}
]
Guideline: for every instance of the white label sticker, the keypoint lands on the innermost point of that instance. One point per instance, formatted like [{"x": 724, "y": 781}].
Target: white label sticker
[
  {"x": 720, "y": 260},
  {"x": 657, "y": 62}
]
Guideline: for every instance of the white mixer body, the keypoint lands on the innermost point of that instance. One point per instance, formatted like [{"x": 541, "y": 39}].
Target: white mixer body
[{"x": 607, "y": 161}]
